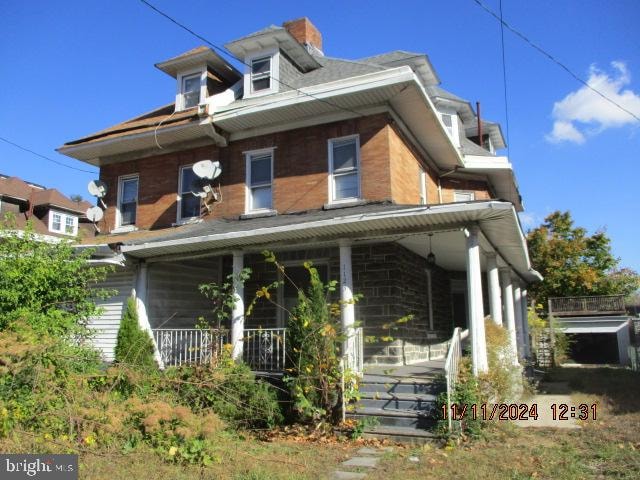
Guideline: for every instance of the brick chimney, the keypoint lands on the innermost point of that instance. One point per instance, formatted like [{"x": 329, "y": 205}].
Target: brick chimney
[{"x": 305, "y": 33}]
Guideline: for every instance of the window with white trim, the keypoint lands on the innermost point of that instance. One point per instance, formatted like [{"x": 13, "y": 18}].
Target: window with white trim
[
  {"x": 261, "y": 74},
  {"x": 344, "y": 169},
  {"x": 63, "y": 223},
  {"x": 259, "y": 180},
  {"x": 463, "y": 196},
  {"x": 188, "y": 202},
  {"x": 423, "y": 186},
  {"x": 127, "y": 200},
  {"x": 190, "y": 90},
  {"x": 450, "y": 121}
]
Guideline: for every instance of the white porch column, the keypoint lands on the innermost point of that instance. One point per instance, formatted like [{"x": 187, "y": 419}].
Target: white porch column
[
  {"x": 348, "y": 315},
  {"x": 237, "y": 314},
  {"x": 140, "y": 292},
  {"x": 509, "y": 312},
  {"x": 476, "y": 308},
  {"x": 517, "y": 305},
  {"x": 525, "y": 324},
  {"x": 493, "y": 277}
]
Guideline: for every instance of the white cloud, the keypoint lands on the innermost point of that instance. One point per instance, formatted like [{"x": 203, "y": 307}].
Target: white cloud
[
  {"x": 584, "y": 112},
  {"x": 530, "y": 220}
]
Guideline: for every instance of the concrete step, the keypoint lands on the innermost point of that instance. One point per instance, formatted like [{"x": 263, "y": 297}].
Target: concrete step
[
  {"x": 400, "y": 401},
  {"x": 398, "y": 387},
  {"x": 399, "y": 434},
  {"x": 394, "y": 418}
]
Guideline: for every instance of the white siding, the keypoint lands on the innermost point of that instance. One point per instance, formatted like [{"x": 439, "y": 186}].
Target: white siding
[
  {"x": 106, "y": 325},
  {"x": 173, "y": 298}
]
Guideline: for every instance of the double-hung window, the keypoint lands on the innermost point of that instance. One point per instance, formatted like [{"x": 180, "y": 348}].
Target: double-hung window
[
  {"x": 344, "y": 168},
  {"x": 190, "y": 89},
  {"x": 259, "y": 180},
  {"x": 63, "y": 223},
  {"x": 261, "y": 74},
  {"x": 127, "y": 200},
  {"x": 188, "y": 203}
]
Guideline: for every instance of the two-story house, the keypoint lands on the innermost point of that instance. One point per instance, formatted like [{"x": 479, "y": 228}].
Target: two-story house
[
  {"x": 52, "y": 214},
  {"x": 367, "y": 167}
]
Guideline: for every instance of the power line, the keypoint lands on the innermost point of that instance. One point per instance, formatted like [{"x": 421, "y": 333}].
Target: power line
[
  {"x": 504, "y": 79},
  {"x": 553, "y": 59},
  {"x": 45, "y": 157},
  {"x": 229, "y": 54}
]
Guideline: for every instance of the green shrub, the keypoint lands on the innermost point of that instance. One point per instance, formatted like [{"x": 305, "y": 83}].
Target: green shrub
[
  {"x": 231, "y": 390},
  {"x": 504, "y": 381},
  {"x": 134, "y": 346}
]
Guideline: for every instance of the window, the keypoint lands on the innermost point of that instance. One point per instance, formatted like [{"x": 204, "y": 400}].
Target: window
[
  {"x": 260, "y": 74},
  {"x": 423, "y": 186},
  {"x": 451, "y": 124},
  {"x": 190, "y": 90},
  {"x": 63, "y": 223},
  {"x": 127, "y": 200},
  {"x": 259, "y": 180},
  {"x": 344, "y": 164},
  {"x": 462, "y": 196},
  {"x": 188, "y": 203}
]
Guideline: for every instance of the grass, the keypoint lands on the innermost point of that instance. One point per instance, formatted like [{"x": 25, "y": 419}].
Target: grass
[
  {"x": 237, "y": 459},
  {"x": 606, "y": 448}
]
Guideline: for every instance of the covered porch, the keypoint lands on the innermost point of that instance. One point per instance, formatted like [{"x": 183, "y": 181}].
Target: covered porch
[{"x": 446, "y": 266}]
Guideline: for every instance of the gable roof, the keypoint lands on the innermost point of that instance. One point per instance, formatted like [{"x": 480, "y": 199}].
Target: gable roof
[{"x": 14, "y": 187}]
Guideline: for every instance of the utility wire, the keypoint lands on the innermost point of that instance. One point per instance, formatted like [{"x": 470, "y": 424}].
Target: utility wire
[
  {"x": 229, "y": 54},
  {"x": 553, "y": 59},
  {"x": 45, "y": 157},
  {"x": 504, "y": 80}
]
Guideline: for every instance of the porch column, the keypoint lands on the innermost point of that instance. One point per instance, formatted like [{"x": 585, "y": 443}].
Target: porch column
[
  {"x": 348, "y": 316},
  {"x": 237, "y": 314},
  {"x": 493, "y": 277},
  {"x": 476, "y": 308},
  {"x": 525, "y": 324},
  {"x": 517, "y": 304},
  {"x": 140, "y": 292},
  {"x": 509, "y": 313}
]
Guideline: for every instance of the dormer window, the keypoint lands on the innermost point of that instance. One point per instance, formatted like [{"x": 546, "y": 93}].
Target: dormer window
[
  {"x": 261, "y": 76},
  {"x": 189, "y": 90},
  {"x": 450, "y": 121},
  {"x": 63, "y": 223}
]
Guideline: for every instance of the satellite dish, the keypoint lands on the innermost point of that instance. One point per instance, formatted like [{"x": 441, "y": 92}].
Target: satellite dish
[
  {"x": 94, "y": 214},
  {"x": 97, "y": 188},
  {"x": 207, "y": 169},
  {"x": 200, "y": 187}
]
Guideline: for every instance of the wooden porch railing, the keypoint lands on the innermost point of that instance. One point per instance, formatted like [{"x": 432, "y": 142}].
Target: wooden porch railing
[
  {"x": 452, "y": 366},
  {"x": 589, "y": 305}
]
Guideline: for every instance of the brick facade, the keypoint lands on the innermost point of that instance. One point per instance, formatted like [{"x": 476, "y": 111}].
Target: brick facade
[{"x": 389, "y": 171}]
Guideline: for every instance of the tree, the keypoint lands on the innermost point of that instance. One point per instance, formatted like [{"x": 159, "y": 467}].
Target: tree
[
  {"x": 48, "y": 284},
  {"x": 134, "y": 345},
  {"x": 574, "y": 263}
]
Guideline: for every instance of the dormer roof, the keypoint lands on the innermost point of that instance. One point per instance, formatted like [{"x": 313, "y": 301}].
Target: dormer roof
[
  {"x": 196, "y": 58},
  {"x": 490, "y": 128},
  {"x": 419, "y": 62},
  {"x": 270, "y": 37}
]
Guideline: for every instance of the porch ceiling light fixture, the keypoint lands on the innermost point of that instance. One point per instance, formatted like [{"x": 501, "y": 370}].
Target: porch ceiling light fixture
[{"x": 431, "y": 258}]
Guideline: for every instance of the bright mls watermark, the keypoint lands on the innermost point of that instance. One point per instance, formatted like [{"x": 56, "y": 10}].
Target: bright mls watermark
[{"x": 49, "y": 467}]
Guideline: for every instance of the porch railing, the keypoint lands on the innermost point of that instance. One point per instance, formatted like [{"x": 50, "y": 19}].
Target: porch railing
[
  {"x": 596, "y": 305},
  {"x": 264, "y": 348},
  {"x": 355, "y": 361},
  {"x": 452, "y": 366}
]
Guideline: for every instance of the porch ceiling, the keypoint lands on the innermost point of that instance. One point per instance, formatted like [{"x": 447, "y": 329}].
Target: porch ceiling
[{"x": 498, "y": 222}]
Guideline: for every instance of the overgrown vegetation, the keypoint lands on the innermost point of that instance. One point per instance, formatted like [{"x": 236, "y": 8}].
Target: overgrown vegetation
[
  {"x": 134, "y": 345},
  {"x": 546, "y": 339}
]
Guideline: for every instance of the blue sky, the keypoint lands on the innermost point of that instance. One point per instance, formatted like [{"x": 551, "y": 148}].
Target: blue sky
[{"x": 71, "y": 68}]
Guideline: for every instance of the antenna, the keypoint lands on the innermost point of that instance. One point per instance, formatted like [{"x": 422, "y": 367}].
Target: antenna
[
  {"x": 207, "y": 169},
  {"x": 95, "y": 214},
  {"x": 98, "y": 189},
  {"x": 200, "y": 187}
]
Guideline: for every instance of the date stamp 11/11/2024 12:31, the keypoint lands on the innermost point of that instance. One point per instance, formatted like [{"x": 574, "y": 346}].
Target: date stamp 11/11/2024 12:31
[{"x": 517, "y": 411}]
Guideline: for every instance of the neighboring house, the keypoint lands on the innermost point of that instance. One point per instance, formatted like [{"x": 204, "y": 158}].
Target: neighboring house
[
  {"x": 367, "y": 167},
  {"x": 52, "y": 215}
]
